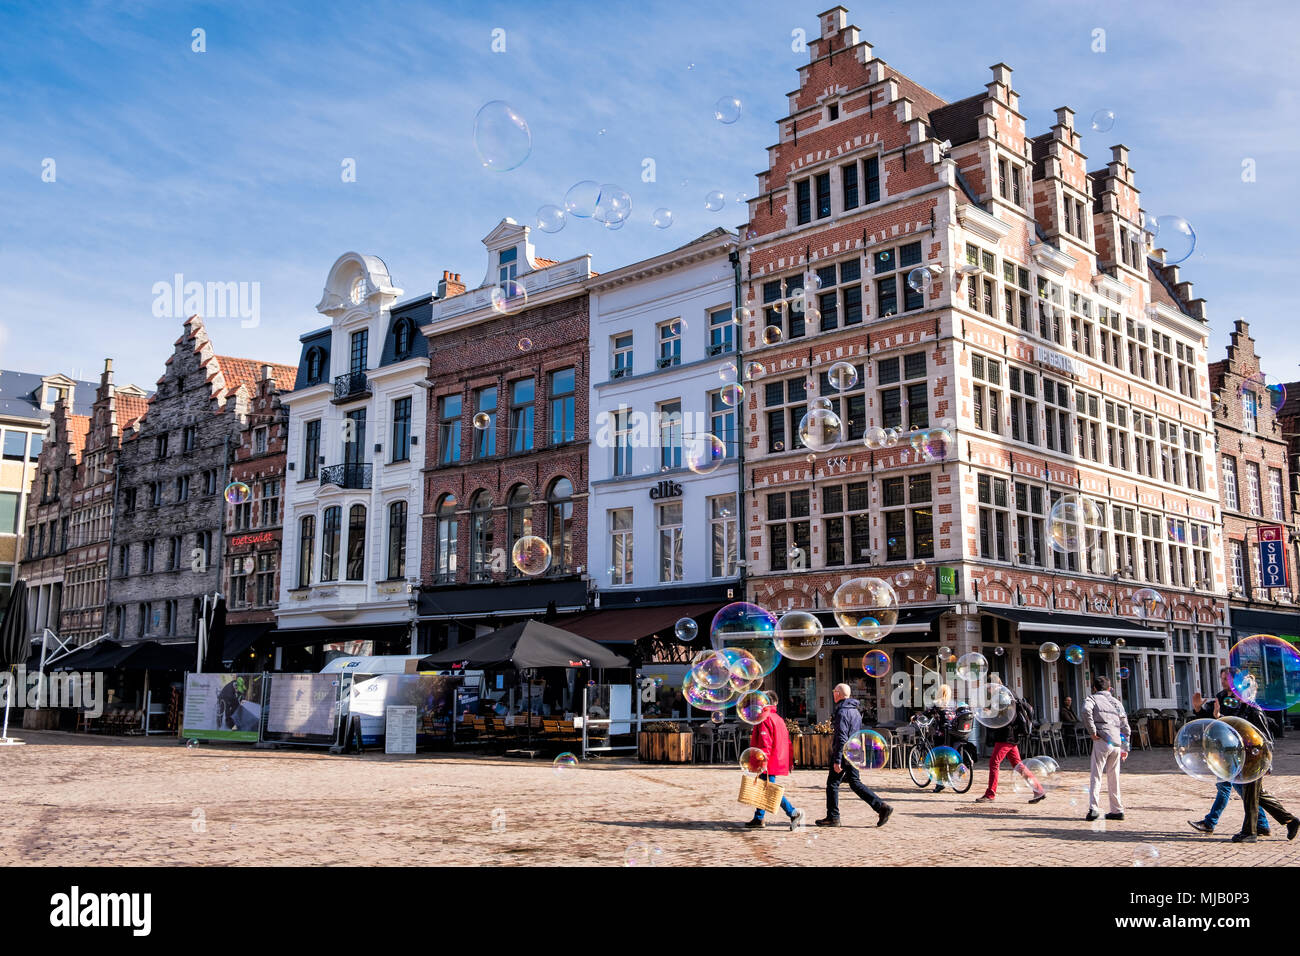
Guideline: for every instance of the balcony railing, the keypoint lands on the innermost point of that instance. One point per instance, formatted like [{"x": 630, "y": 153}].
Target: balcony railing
[
  {"x": 351, "y": 385},
  {"x": 349, "y": 475}
]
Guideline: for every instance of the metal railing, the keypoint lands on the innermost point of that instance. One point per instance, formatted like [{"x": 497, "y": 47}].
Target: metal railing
[
  {"x": 353, "y": 383},
  {"x": 349, "y": 475}
]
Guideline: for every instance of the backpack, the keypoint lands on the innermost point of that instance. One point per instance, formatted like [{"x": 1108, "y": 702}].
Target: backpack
[{"x": 1024, "y": 720}]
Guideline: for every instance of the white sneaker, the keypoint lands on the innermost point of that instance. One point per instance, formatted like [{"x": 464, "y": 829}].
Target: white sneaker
[{"x": 796, "y": 821}]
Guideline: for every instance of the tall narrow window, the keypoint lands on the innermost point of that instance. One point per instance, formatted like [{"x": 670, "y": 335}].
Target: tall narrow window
[
  {"x": 620, "y": 546},
  {"x": 823, "y": 195},
  {"x": 354, "y": 440},
  {"x": 306, "y": 548},
  {"x": 623, "y": 442},
  {"x": 670, "y": 434},
  {"x": 480, "y": 556},
  {"x": 722, "y": 422},
  {"x": 331, "y": 526},
  {"x": 397, "y": 540},
  {"x": 448, "y": 535},
  {"x": 357, "y": 543},
  {"x": 803, "y": 201},
  {"x": 521, "y": 415},
  {"x": 519, "y": 513},
  {"x": 1230, "y": 483},
  {"x": 871, "y": 179},
  {"x": 507, "y": 264},
  {"x": 449, "y": 430},
  {"x": 485, "y": 422},
  {"x": 402, "y": 429},
  {"x": 562, "y": 406},
  {"x": 670, "y": 541},
  {"x": 722, "y": 536},
  {"x": 358, "y": 357},
  {"x": 849, "y": 178},
  {"x": 1252, "y": 486},
  {"x": 560, "y": 502}
]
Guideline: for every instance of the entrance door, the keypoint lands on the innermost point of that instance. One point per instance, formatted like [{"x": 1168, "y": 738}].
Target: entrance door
[
  {"x": 1034, "y": 690},
  {"x": 1132, "y": 685},
  {"x": 1183, "y": 682}
]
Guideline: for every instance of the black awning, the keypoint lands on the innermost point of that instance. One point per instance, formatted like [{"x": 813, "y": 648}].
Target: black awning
[
  {"x": 84, "y": 658},
  {"x": 307, "y": 636},
  {"x": 240, "y": 637},
  {"x": 627, "y": 625},
  {"x": 1246, "y": 622},
  {"x": 912, "y": 622},
  {"x": 152, "y": 656},
  {"x": 525, "y": 598},
  {"x": 1096, "y": 630},
  {"x": 528, "y": 644}
]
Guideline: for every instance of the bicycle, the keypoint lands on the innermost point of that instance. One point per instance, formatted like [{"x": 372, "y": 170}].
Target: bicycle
[{"x": 920, "y": 755}]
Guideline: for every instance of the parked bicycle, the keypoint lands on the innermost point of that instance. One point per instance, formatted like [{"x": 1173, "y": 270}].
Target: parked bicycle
[{"x": 922, "y": 763}]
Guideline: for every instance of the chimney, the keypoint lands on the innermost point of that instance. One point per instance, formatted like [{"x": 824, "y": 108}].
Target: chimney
[
  {"x": 267, "y": 373},
  {"x": 107, "y": 377},
  {"x": 450, "y": 285}
]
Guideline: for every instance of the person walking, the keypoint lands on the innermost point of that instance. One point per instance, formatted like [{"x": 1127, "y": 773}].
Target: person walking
[
  {"x": 1223, "y": 704},
  {"x": 847, "y": 721},
  {"x": 1107, "y": 724},
  {"x": 770, "y": 736},
  {"x": 1003, "y": 740}
]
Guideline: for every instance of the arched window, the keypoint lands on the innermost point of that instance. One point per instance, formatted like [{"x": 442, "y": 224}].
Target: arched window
[
  {"x": 448, "y": 533},
  {"x": 315, "y": 365},
  {"x": 397, "y": 540},
  {"x": 520, "y": 509},
  {"x": 357, "y": 543},
  {"x": 403, "y": 335},
  {"x": 331, "y": 523},
  {"x": 306, "y": 545},
  {"x": 560, "y": 503},
  {"x": 480, "y": 530}
]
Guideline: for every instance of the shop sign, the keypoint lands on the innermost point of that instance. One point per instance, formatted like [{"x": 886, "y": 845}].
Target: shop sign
[
  {"x": 948, "y": 581},
  {"x": 1272, "y": 557},
  {"x": 1061, "y": 363},
  {"x": 666, "y": 489},
  {"x": 243, "y": 539}
]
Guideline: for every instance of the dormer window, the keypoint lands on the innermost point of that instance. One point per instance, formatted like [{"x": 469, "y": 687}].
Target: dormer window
[
  {"x": 402, "y": 336},
  {"x": 507, "y": 264},
  {"x": 358, "y": 291},
  {"x": 315, "y": 365}
]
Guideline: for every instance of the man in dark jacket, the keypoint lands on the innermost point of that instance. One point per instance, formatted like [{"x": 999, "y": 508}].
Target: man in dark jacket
[
  {"x": 847, "y": 721},
  {"x": 1003, "y": 740}
]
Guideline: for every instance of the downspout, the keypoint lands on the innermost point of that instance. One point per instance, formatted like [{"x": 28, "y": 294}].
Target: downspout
[{"x": 742, "y": 563}]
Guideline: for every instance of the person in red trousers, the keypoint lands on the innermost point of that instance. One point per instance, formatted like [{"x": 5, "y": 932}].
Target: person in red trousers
[{"x": 1003, "y": 740}]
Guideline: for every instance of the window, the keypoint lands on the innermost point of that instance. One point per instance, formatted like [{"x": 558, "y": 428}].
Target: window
[
  {"x": 906, "y": 402},
  {"x": 183, "y": 488},
  {"x": 871, "y": 180},
  {"x": 306, "y": 548},
  {"x": 146, "y": 556},
  {"x": 1024, "y": 406},
  {"x": 521, "y": 415},
  {"x": 1088, "y": 410},
  {"x": 397, "y": 540},
  {"x": 986, "y": 393},
  {"x": 560, "y": 499},
  {"x": 1250, "y": 410},
  {"x": 173, "y": 553},
  {"x": 1144, "y": 455},
  {"x": 823, "y": 183},
  {"x": 244, "y": 515},
  {"x": 839, "y": 295},
  {"x": 670, "y": 344},
  {"x": 203, "y": 542},
  {"x": 329, "y": 552},
  {"x": 403, "y": 338},
  {"x": 562, "y": 406},
  {"x": 1057, "y": 419},
  {"x": 449, "y": 430},
  {"x": 723, "y": 540},
  {"x": 128, "y": 502},
  {"x": 507, "y": 264},
  {"x": 356, "y": 543},
  {"x": 785, "y": 406},
  {"x": 1201, "y": 561},
  {"x": 155, "y": 493},
  {"x": 1180, "y": 556},
  {"x": 1030, "y": 511},
  {"x": 1252, "y": 487},
  {"x": 721, "y": 332},
  {"x": 1015, "y": 296},
  {"x": 315, "y": 366},
  {"x": 311, "y": 449},
  {"x": 803, "y": 201},
  {"x": 1194, "y": 467},
  {"x": 669, "y": 520},
  {"x": 788, "y": 530},
  {"x": 992, "y": 493},
  {"x": 623, "y": 442},
  {"x": 1003, "y": 182},
  {"x": 124, "y": 559},
  {"x": 722, "y": 423},
  {"x": 1124, "y": 525},
  {"x": 1230, "y": 483},
  {"x": 259, "y": 441},
  {"x": 265, "y": 579},
  {"x": 670, "y": 435},
  {"x": 270, "y": 513},
  {"x": 15, "y": 445},
  {"x": 189, "y": 438},
  {"x": 620, "y": 546},
  {"x": 849, "y": 183},
  {"x": 1050, "y": 316},
  {"x": 1117, "y": 438},
  {"x": 1238, "y": 562},
  {"x": 354, "y": 438},
  {"x": 238, "y": 582},
  {"x": 833, "y": 112},
  {"x": 444, "y": 571},
  {"x": 480, "y": 524},
  {"x": 1153, "y": 547},
  {"x": 622, "y": 351},
  {"x": 358, "y": 357},
  {"x": 519, "y": 515},
  {"x": 908, "y": 522},
  {"x": 145, "y": 619},
  {"x": 160, "y": 447},
  {"x": 890, "y": 267},
  {"x": 402, "y": 429},
  {"x": 846, "y": 523},
  {"x": 1275, "y": 494}
]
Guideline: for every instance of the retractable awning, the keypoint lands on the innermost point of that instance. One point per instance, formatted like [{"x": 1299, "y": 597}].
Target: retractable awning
[
  {"x": 1091, "y": 629},
  {"x": 307, "y": 636},
  {"x": 631, "y": 624},
  {"x": 911, "y": 622}
]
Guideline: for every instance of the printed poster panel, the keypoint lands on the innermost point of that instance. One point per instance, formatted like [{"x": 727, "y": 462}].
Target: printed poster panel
[
  {"x": 431, "y": 695},
  {"x": 304, "y": 706},
  {"x": 222, "y": 707}
]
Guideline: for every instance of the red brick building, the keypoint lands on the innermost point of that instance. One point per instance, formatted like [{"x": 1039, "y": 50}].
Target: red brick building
[
  {"x": 983, "y": 279},
  {"x": 522, "y": 371},
  {"x": 1252, "y": 443},
  {"x": 251, "y": 556}
]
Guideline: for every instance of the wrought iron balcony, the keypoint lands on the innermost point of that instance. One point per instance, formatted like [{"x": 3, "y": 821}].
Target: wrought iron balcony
[
  {"x": 351, "y": 386},
  {"x": 350, "y": 475}
]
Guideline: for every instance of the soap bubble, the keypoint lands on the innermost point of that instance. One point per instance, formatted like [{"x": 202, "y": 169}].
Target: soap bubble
[
  {"x": 1266, "y": 390},
  {"x": 747, "y": 627},
  {"x": 823, "y": 403},
  {"x": 1273, "y": 665},
  {"x": 866, "y": 750},
  {"x": 525, "y": 344},
  {"x": 713, "y": 672},
  {"x": 994, "y": 706},
  {"x": 1073, "y": 523},
  {"x": 662, "y": 217},
  {"x": 501, "y": 136},
  {"x": 482, "y": 420},
  {"x": 902, "y": 579},
  {"x": 685, "y": 630},
  {"x": 999, "y": 651},
  {"x": 751, "y": 707},
  {"x": 1144, "y": 854},
  {"x": 531, "y": 555},
  {"x": 944, "y": 652},
  {"x": 753, "y": 760},
  {"x": 509, "y": 297},
  {"x": 237, "y": 493},
  {"x": 716, "y": 717},
  {"x": 1200, "y": 741},
  {"x": 972, "y": 667},
  {"x": 727, "y": 110},
  {"x": 1251, "y": 761},
  {"x": 918, "y": 280},
  {"x": 942, "y": 763},
  {"x": 564, "y": 764},
  {"x": 1049, "y": 652},
  {"x": 581, "y": 199},
  {"x": 705, "y": 453},
  {"x": 1121, "y": 642},
  {"x": 1031, "y": 775},
  {"x": 1149, "y": 604},
  {"x": 1177, "y": 238},
  {"x": 191, "y": 743},
  {"x": 746, "y": 673},
  {"x": 865, "y": 608},
  {"x": 821, "y": 429},
  {"x": 642, "y": 855},
  {"x": 551, "y": 218},
  {"x": 932, "y": 444},
  {"x": 613, "y": 205},
  {"x": 714, "y": 200},
  {"x": 772, "y": 334},
  {"x": 842, "y": 376},
  {"x": 1103, "y": 121},
  {"x": 1074, "y": 654},
  {"x": 732, "y": 394},
  {"x": 1123, "y": 673},
  {"x": 874, "y": 438},
  {"x": 875, "y": 663},
  {"x": 754, "y": 370},
  {"x": 799, "y": 635}
]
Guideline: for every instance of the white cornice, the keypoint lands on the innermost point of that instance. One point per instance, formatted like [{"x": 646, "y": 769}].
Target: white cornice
[
  {"x": 1052, "y": 259},
  {"x": 1172, "y": 318},
  {"x": 988, "y": 227},
  {"x": 672, "y": 259},
  {"x": 1108, "y": 284}
]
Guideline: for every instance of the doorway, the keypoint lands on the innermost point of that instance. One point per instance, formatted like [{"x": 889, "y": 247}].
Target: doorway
[
  {"x": 1132, "y": 685},
  {"x": 1183, "y": 682}
]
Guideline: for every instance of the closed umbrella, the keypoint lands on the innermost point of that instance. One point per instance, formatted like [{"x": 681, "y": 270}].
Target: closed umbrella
[{"x": 14, "y": 644}]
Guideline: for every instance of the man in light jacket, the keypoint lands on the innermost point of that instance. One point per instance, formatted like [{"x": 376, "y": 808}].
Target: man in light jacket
[
  {"x": 847, "y": 721},
  {"x": 1106, "y": 722}
]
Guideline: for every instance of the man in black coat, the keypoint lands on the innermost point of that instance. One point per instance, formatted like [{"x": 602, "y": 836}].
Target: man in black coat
[{"x": 847, "y": 721}]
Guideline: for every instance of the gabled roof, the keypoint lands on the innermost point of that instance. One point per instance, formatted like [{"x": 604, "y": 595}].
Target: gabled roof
[
  {"x": 20, "y": 395},
  {"x": 958, "y": 122},
  {"x": 1162, "y": 292},
  {"x": 248, "y": 372},
  {"x": 130, "y": 409}
]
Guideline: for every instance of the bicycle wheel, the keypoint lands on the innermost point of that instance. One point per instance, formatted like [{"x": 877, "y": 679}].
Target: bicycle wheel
[
  {"x": 916, "y": 768},
  {"x": 968, "y": 758}
]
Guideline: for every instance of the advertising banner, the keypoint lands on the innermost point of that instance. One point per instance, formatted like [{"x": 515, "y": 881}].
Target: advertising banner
[
  {"x": 1272, "y": 557},
  {"x": 303, "y": 706},
  {"x": 370, "y": 698},
  {"x": 222, "y": 707}
]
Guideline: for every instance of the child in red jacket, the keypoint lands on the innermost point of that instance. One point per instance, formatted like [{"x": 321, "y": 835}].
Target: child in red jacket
[{"x": 770, "y": 736}]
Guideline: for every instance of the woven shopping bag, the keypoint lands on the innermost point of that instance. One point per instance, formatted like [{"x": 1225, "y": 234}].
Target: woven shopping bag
[{"x": 761, "y": 794}]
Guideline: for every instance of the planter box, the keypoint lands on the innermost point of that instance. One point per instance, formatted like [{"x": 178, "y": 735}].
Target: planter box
[
  {"x": 665, "y": 747},
  {"x": 811, "y": 751}
]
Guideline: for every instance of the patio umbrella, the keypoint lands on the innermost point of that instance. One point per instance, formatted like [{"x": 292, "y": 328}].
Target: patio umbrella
[{"x": 14, "y": 642}]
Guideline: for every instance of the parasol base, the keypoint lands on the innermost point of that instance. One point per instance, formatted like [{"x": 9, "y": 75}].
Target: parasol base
[{"x": 11, "y": 742}]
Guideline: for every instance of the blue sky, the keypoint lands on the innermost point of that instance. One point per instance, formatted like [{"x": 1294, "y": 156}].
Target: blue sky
[{"x": 225, "y": 165}]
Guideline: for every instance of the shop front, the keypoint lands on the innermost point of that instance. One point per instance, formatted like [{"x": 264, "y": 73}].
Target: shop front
[{"x": 308, "y": 649}]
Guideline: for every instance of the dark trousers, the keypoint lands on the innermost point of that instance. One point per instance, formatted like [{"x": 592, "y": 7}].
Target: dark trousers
[
  {"x": 1256, "y": 798},
  {"x": 848, "y": 773}
]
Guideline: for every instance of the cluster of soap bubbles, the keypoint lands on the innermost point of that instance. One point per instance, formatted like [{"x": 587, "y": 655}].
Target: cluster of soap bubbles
[
  {"x": 1043, "y": 771},
  {"x": 1229, "y": 749},
  {"x": 530, "y": 555},
  {"x": 931, "y": 444},
  {"x": 1074, "y": 524},
  {"x": 1265, "y": 670},
  {"x": 1174, "y": 235}
]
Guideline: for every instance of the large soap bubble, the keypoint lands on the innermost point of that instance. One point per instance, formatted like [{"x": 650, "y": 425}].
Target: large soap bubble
[
  {"x": 799, "y": 635},
  {"x": 747, "y": 627},
  {"x": 1274, "y": 666},
  {"x": 865, "y": 608}
]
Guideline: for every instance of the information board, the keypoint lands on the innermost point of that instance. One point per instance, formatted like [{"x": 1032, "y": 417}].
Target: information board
[{"x": 399, "y": 729}]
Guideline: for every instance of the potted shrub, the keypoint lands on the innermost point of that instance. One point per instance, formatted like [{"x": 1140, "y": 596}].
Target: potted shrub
[
  {"x": 814, "y": 751},
  {"x": 665, "y": 742}
]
